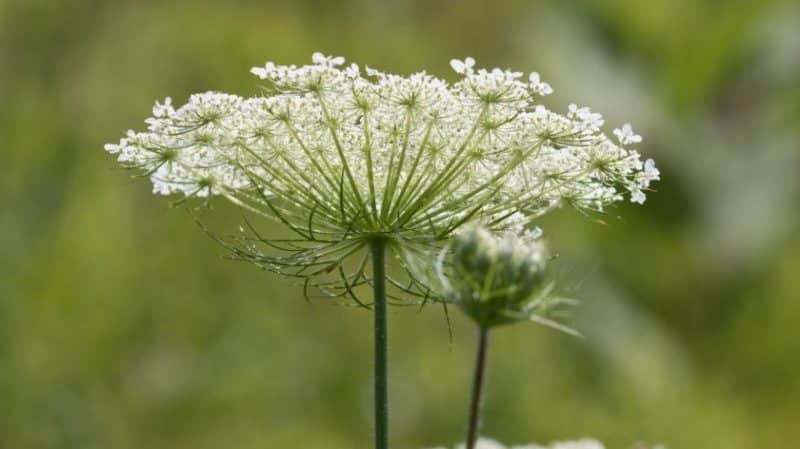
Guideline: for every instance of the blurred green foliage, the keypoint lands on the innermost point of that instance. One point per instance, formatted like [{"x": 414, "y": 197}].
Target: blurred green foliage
[{"x": 122, "y": 327}]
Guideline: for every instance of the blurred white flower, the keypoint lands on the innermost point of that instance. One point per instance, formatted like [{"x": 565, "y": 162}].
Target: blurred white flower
[
  {"x": 650, "y": 173},
  {"x": 538, "y": 86},
  {"x": 462, "y": 67},
  {"x": 626, "y": 136},
  {"x": 578, "y": 444},
  {"x": 486, "y": 443},
  {"x": 591, "y": 120},
  {"x": 329, "y": 61},
  {"x": 638, "y": 197},
  {"x": 262, "y": 72}
]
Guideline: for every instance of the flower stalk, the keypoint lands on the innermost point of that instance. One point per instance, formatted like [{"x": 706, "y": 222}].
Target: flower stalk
[
  {"x": 478, "y": 380},
  {"x": 378, "y": 251}
]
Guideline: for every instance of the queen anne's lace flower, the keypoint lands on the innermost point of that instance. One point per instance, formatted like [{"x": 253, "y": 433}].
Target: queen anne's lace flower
[
  {"x": 626, "y": 136},
  {"x": 586, "y": 443},
  {"x": 463, "y": 67},
  {"x": 341, "y": 157}
]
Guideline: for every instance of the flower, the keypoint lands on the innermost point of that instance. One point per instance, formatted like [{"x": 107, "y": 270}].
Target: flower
[
  {"x": 329, "y": 61},
  {"x": 538, "y": 86},
  {"x": 625, "y": 135},
  {"x": 586, "y": 443},
  {"x": 463, "y": 67},
  {"x": 578, "y": 444},
  {"x": 342, "y": 158}
]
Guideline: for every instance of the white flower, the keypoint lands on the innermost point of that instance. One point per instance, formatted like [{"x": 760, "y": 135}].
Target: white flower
[
  {"x": 579, "y": 444},
  {"x": 591, "y": 120},
  {"x": 637, "y": 196},
  {"x": 353, "y": 71},
  {"x": 483, "y": 130},
  {"x": 626, "y": 135},
  {"x": 650, "y": 173},
  {"x": 328, "y": 61},
  {"x": 530, "y": 235},
  {"x": 161, "y": 113},
  {"x": 485, "y": 443},
  {"x": 462, "y": 67},
  {"x": 340, "y": 157},
  {"x": 262, "y": 72},
  {"x": 163, "y": 109},
  {"x": 538, "y": 86}
]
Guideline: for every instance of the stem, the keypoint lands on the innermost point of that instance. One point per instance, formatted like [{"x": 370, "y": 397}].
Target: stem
[
  {"x": 477, "y": 388},
  {"x": 377, "y": 248}
]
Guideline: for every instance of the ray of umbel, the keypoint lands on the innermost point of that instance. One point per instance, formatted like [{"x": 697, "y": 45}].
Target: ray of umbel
[{"x": 358, "y": 164}]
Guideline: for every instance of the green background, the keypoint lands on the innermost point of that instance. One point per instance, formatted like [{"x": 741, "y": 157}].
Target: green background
[{"x": 121, "y": 326}]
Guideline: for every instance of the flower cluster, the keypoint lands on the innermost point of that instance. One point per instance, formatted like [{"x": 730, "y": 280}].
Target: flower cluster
[
  {"x": 341, "y": 156},
  {"x": 486, "y": 443}
]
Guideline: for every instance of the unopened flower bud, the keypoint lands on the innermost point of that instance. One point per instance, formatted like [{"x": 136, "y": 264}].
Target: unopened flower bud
[{"x": 495, "y": 277}]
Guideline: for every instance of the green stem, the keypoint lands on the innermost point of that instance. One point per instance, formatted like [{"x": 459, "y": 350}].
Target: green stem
[
  {"x": 378, "y": 248},
  {"x": 477, "y": 388}
]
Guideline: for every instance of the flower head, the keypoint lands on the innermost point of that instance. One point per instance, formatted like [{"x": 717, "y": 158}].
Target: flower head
[
  {"x": 586, "y": 443},
  {"x": 342, "y": 158}
]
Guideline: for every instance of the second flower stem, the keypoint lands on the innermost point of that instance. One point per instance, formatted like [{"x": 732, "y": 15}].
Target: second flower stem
[
  {"x": 378, "y": 249},
  {"x": 477, "y": 388}
]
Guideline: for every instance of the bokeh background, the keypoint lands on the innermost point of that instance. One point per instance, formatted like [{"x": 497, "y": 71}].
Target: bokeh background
[{"x": 121, "y": 326}]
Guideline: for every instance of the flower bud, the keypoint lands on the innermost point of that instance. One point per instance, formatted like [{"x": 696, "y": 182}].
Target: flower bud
[{"x": 494, "y": 278}]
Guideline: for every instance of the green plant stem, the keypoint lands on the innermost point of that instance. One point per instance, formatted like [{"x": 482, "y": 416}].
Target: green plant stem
[
  {"x": 378, "y": 248},
  {"x": 478, "y": 381}
]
